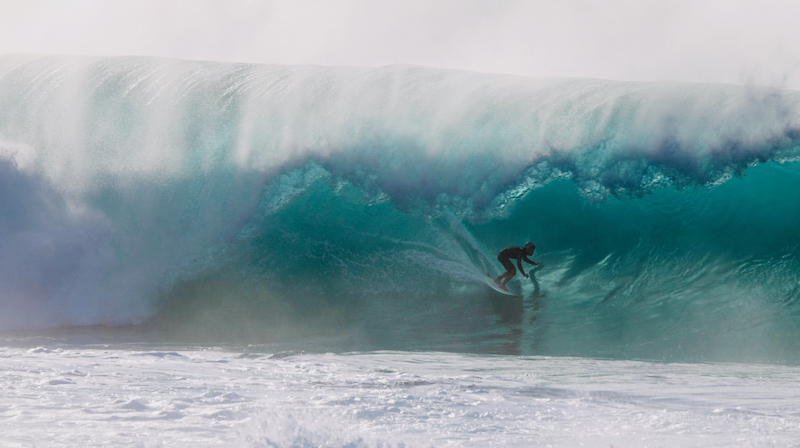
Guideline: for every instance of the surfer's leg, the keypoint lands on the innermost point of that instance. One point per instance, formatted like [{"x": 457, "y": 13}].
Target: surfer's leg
[
  {"x": 511, "y": 271},
  {"x": 499, "y": 280},
  {"x": 510, "y": 274}
]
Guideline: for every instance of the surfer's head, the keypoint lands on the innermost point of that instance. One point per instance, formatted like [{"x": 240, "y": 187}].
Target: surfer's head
[{"x": 529, "y": 248}]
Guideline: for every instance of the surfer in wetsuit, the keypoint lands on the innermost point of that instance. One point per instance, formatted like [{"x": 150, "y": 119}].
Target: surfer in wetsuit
[{"x": 518, "y": 253}]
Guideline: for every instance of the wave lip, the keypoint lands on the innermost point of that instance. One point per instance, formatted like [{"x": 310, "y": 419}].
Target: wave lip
[{"x": 416, "y": 134}]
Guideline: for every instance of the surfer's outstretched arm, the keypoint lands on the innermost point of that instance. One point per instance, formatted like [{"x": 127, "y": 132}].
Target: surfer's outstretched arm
[{"x": 529, "y": 261}]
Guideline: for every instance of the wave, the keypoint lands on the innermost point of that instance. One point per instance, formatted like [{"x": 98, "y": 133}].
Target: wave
[{"x": 263, "y": 202}]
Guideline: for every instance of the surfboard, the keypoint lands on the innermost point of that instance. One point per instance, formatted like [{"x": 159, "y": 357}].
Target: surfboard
[{"x": 497, "y": 288}]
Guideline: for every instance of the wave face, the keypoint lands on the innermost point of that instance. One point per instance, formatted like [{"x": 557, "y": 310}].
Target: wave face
[{"x": 259, "y": 203}]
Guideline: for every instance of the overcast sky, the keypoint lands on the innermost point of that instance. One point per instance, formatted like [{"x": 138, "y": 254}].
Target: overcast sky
[{"x": 734, "y": 41}]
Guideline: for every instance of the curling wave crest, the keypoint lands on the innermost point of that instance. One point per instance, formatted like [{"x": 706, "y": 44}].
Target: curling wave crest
[{"x": 263, "y": 201}]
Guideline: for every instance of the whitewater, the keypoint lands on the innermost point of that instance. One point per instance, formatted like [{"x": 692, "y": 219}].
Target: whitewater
[{"x": 200, "y": 253}]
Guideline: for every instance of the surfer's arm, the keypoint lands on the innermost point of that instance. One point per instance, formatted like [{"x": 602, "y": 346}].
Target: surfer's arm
[
  {"x": 529, "y": 261},
  {"x": 519, "y": 264}
]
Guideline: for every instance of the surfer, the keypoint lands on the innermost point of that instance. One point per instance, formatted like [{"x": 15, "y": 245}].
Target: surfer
[{"x": 519, "y": 253}]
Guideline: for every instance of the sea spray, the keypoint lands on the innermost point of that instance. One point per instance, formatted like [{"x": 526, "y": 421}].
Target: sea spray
[{"x": 665, "y": 213}]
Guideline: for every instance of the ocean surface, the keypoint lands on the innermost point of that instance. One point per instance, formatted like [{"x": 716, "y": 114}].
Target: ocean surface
[{"x": 215, "y": 254}]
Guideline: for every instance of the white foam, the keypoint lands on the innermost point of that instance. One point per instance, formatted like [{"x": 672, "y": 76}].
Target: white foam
[{"x": 208, "y": 398}]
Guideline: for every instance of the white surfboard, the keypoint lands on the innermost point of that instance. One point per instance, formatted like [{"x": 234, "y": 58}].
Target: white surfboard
[{"x": 497, "y": 288}]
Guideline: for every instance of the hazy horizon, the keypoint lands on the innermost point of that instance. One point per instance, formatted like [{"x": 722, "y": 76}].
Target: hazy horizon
[{"x": 703, "y": 41}]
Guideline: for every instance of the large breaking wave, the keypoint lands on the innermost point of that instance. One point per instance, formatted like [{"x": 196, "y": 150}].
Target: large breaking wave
[{"x": 276, "y": 202}]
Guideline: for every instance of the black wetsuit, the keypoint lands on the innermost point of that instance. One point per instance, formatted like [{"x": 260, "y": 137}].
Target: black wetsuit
[{"x": 513, "y": 252}]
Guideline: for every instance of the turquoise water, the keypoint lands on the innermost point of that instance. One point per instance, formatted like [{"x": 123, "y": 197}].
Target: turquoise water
[{"x": 363, "y": 208}]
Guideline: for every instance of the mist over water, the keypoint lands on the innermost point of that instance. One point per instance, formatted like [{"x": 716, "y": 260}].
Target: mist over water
[{"x": 258, "y": 203}]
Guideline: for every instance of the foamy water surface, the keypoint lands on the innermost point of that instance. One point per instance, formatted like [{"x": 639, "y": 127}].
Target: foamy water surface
[{"x": 99, "y": 396}]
